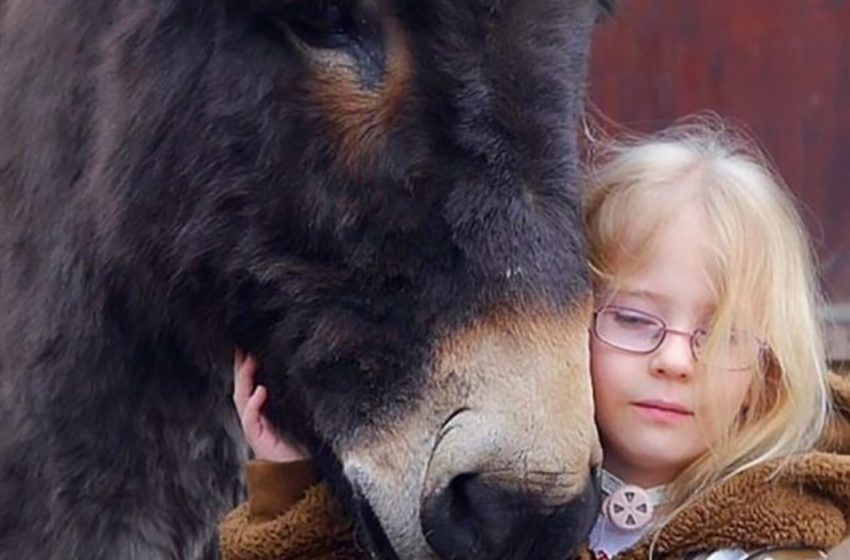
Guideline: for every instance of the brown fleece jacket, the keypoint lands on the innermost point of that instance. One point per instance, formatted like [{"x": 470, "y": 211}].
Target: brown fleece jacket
[
  {"x": 806, "y": 504},
  {"x": 287, "y": 516}
]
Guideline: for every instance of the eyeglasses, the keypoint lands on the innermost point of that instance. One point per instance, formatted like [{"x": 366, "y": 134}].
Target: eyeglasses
[{"x": 639, "y": 332}]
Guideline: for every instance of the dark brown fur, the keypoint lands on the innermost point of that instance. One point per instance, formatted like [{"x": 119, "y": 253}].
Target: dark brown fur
[{"x": 179, "y": 177}]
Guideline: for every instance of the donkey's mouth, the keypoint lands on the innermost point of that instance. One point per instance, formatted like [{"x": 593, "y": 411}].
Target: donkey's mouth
[{"x": 370, "y": 531}]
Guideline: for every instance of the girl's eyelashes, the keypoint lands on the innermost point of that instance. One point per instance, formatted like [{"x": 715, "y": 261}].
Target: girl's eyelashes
[{"x": 701, "y": 317}]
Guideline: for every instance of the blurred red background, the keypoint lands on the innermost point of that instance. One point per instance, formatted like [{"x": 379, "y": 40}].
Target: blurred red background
[{"x": 781, "y": 68}]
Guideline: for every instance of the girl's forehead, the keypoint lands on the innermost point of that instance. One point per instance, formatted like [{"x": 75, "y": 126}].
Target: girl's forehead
[
  {"x": 678, "y": 269},
  {"x": 668, "y": 287}
]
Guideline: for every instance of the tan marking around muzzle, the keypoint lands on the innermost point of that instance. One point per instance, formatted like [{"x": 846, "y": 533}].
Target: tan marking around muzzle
[
  {"x": 519, "y": 384},
  {"x": 530, "y": 426}
]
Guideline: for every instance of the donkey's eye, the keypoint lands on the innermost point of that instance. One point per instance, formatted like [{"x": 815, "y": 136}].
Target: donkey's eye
[{"x": 319, "y": 23}]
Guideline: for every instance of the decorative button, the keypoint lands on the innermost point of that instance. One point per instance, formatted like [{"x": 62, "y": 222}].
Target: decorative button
[{"x": 629, "y": 508}]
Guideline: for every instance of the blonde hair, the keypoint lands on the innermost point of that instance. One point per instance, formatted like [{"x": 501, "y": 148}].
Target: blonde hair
[{"x": 762, "y": 272}]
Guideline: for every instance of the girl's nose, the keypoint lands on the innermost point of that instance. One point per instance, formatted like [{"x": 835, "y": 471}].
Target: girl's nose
[{"x": 674, "y": 357}]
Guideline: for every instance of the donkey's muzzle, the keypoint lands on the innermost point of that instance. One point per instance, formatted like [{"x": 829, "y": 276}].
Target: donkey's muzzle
[{"x": 476, "y": 519}]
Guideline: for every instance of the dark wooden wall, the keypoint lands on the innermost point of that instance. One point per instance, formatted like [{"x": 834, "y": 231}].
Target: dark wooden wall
[{"x": 779, "y": 67}]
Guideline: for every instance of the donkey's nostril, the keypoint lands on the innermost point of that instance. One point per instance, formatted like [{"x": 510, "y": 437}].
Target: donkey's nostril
[
  {"x": 475, "y": 519},
  {"x": 468, "y": 519}
]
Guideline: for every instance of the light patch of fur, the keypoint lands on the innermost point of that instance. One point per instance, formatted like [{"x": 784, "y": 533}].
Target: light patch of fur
[{"x": 522, "y": 382}]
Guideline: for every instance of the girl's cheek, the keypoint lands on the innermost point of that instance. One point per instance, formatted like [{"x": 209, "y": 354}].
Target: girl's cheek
[
  {"x": 736, "y": 392},
  {"x": 722, "y": 405},
  {"x": 597, "y": 353},
  {"x": 597, "y": 364}
]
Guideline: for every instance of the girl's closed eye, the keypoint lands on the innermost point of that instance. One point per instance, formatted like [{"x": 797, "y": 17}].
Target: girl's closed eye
[{"x": 630, "y": 319}]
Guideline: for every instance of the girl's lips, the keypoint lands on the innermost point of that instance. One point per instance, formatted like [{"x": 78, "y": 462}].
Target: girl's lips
[
  {"x": 662, "y": 410},
  {"x": 664, "y": 405}
]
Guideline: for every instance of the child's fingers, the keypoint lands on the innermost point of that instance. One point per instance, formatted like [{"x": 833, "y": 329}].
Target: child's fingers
[
  {"x": 250, "y": 416},
  {"x": 243, "y": 382},
  {"x": 258, "y": 398}
]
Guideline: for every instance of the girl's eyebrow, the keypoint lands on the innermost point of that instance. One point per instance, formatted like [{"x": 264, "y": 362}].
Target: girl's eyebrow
[
  {"x": 658, "y": 298},
  {"x": 643, "y": 293}
]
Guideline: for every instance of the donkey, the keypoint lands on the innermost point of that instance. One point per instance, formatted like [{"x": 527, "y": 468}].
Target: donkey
[{"x": 375, "y": 197}]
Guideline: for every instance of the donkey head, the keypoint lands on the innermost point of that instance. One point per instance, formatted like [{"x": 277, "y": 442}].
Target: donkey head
[
  {"x": 383, "y": 194},
  {"x": 433, "y": 351}
]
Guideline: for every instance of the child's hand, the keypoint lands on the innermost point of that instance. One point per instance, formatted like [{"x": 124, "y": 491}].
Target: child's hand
[{"x": 264, "y": 440}]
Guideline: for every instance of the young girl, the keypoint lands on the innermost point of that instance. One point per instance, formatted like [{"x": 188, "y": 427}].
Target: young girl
[{"x": 708, "y": 370}]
